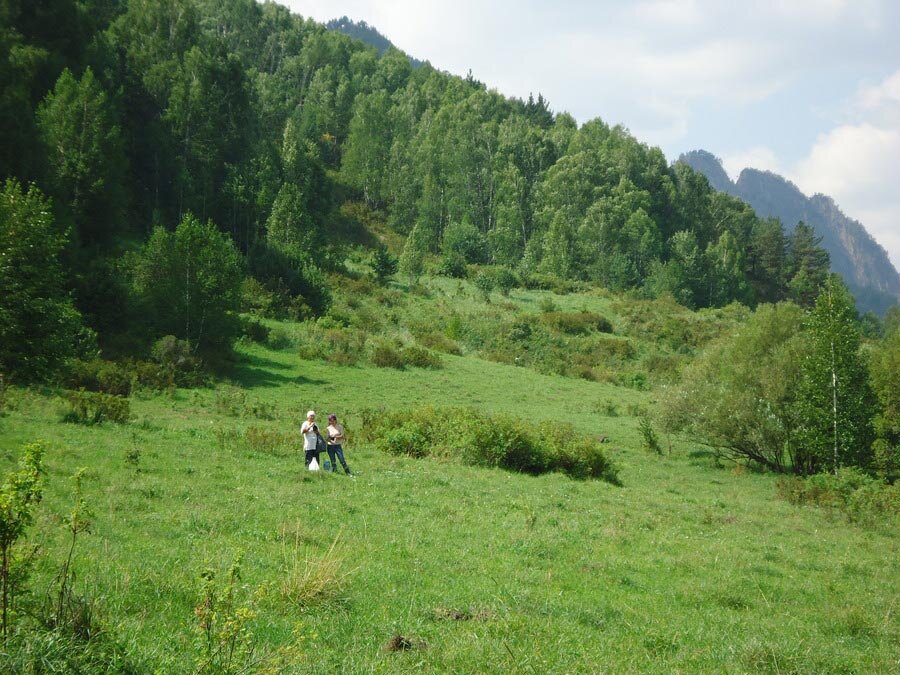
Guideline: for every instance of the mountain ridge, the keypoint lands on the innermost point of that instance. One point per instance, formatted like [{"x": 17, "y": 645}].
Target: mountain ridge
[{"x": 855, "y": 254}]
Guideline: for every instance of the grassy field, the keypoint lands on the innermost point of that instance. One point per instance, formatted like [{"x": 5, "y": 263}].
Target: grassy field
[{"x": 687, "y": 567}]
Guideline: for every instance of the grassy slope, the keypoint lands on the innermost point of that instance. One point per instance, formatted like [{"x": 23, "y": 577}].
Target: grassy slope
[{"x": 687, "y": 567}]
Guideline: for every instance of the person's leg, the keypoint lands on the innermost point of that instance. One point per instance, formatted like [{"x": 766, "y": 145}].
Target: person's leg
[
  {"x": 309, "y": 457},
  {"x": 339, "y": 451},
  {"x": 331, "y": 454}
]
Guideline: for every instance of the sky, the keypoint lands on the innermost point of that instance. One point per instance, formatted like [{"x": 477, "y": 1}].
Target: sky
[{"x": 809, "y": 89}]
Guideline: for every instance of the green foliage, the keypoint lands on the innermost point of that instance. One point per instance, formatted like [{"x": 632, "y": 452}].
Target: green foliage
[
  {"x": 860, "y": 497},
  {"x": 84, "y": 153},
  {"x": 884, "y": 365},
  {"x": 464, "y": 240},
  {"x": 648, "y": 434},
  {"x": 740, "y": 395},
  {"x": 254, "y": 330},
  {"x": 90, "y": 408},
  {"x": 65, "y": 612},
  {"x": 488, "y": 440},
  {"x": 412, "y": 260},
  {"x": 97, "y": 375},
  {"x": 485, "y": 283},
  {"x": 388, "y": 355},
  {"x": 384, "y": 265},
  {"x": 835, "y": 403},
  {"x": 269, "y": 441},
  {"x": 39, "y": 327},
  {"x": 225, "y": 640},
  {"x": 418, "y": 357},
  {"x": 453, "y": 265},
  {"x": 190, "y": 282},
  {"x": 20, "y": 493},
  {"x": 576, "y": 323},
  {"x": 808, "y": 265},
  {"x": 439, "y": 342}
]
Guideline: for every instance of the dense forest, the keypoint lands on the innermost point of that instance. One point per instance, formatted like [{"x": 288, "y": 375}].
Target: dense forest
[{"x": 160, "y": 152}]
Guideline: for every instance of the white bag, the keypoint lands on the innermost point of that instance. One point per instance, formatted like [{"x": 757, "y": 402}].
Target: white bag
[{"x": 314, "y": 465}]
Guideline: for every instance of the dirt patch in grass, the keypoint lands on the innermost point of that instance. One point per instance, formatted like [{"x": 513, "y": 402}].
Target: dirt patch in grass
[
  {"x": 471, "y": 614},
  {"x": 400, "y": 643}
]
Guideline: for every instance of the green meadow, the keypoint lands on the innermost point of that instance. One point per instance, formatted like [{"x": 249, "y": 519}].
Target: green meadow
[{"x": 427, "y": 565}]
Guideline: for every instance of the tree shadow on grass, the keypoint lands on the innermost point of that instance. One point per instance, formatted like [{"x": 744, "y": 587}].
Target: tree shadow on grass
[{"x": 258, "y": 371}]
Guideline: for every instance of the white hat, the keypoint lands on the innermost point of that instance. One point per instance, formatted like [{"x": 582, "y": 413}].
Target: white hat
[{"x": 311, "y": 413}]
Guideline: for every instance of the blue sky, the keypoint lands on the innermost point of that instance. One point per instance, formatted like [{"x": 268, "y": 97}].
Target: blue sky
[{"x": 809, "y": 89}]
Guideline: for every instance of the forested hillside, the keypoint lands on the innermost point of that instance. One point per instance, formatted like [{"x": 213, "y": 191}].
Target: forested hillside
[
  {"x": 295, "y": 141},
  {"x": 854, "y": 254}
]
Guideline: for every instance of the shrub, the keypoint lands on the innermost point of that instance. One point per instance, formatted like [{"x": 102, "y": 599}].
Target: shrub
[
  {"x": 385, "y": 355},
  {"x": 259, "y": 300},
  {"x": 488, "y": 440},
  {"x": 254, "y": 330},
  {"x": 576, "y": 323},
  {"x": 465, "y": 241},
  {"x": 505, "y": 280},
  {"x": 547, "y": 305},
  {"x": 484, "y": 282},
  {"x": 861, "y": 498},
  {"x": 648, "y": 435},
  {"x": 99, "y": 376},
  {"x": 343, "y": 346},
  {"x": 384, "y": 265},
  {"x": 452, "y": 265},
  {"x": 19, "y": 494},
  {"x": 439, "y": 342},
  {"x": 418, "y": 357},
  {"x": 88, "y": 407},
  {"x": 405, "y": 440}
]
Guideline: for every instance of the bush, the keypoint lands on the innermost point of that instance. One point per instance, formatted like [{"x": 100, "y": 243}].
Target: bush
[
  {"x": 860, "y": 497},
  {"x": 98, "y": 375},
  {"x": 418, "y": 357},
  {"x": 453, "y": 265},
  {"x": 342, "y": 346},
  {"x": 254, "y": 330},
  {"x": 576, "y": 323},
  {"x": 385, "y": 355},
  {"x": 505, "y": 280},
  {"x": 488, "y": 440},
  {"x": 485, "y": 283},
  {"x": 405, "y": 440},
  {"x": 87, "y": 407},
  {"x": 465, "y": 241},
  {"x": 439, "y": 342},
  {"x": 648, "y": 436}
]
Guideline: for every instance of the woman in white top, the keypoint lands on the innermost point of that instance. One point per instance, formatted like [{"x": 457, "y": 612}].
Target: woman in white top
[{"x": 310, "y": 433}]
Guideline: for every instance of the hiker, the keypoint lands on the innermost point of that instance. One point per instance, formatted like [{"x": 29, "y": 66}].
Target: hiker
[
  {"x": 310, "y": 433},
  {"x": 335, "y": 438}
]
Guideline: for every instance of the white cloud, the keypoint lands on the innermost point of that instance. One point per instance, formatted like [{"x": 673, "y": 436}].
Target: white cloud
[{"x": 858, "y": 164}]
